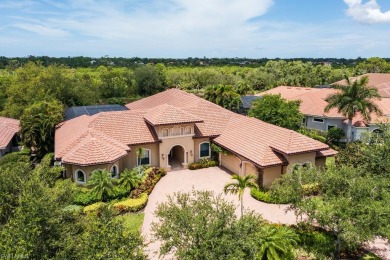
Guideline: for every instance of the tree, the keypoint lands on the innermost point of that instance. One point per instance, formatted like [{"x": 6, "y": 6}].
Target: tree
[
  {"x": 352, "y": 204},
  {"x": 224, "y": 96},
  {"x": 373, "y": 65},
  {"x": 239, "y": 187},
  {"x": 130, "y": 179},
  {"x": 150, "y": 79},
  {"x": 334, "y": 134},
  {"x": 102, "y": 184},
  {"x": 38, "y": 123},
  {"x": 355, "y": 97},
  {"x": 200, "y": 225},
  {"x": 276, "y": 110}
]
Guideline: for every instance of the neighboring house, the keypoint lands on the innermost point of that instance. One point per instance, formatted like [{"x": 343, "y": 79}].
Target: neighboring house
[
  {"x": 379, "y": 80},
  {"x": 176, "y": 128},
  {"x": 9, "y": 138},
  {"x": 313, "y": 104},
  {"x": 73, "y": 112},
  {"x": 246, "y": 103}
]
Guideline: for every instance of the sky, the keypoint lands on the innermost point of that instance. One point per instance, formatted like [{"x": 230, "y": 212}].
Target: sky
[{"x": 195, "y": 28}]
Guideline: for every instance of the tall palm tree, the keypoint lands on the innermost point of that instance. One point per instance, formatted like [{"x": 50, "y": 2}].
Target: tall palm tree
[
  {"x": 355, "y": 97},
  {"x": 239, "y": 186},
  {"x": 276, "y": 243},
  {"x": 130, "y": 179},
  {"x": 102, "y": 184}
]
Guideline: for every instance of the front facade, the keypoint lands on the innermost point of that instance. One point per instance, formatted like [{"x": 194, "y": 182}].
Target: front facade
[
  {"x": 9, "y": 135},
  {"x": 174, "y": 129}
]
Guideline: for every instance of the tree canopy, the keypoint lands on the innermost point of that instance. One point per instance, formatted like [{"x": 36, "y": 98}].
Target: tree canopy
[{"x": 276, "y": 110}]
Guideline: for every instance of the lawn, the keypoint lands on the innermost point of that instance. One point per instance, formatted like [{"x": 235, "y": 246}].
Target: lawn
[{"x": 132, "y": 221}]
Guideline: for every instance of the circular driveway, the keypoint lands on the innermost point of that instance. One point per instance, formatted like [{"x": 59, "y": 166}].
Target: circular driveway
[{"x": 210, "y": 179}]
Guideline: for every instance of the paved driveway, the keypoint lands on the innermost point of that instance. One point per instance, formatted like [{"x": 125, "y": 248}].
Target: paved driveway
[{"x": 213, "y": 179}]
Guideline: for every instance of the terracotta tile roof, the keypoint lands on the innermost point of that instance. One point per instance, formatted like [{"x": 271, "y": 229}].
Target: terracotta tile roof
[
  {"x": 379, "y": 80},
  {"x": 166, "y": 115},
  {"x": 258, "y": 141},
  {"x": 263, "y": 143},
  {"x": 326, "y": 153},
  {"x": 94, "y": 147},
  {"x": 313, "y": 99},
  {"x": 8, "y": 128}
]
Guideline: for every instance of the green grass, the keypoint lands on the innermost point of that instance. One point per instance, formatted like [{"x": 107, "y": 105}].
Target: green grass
[
  {"x": 329, "y": 161},
  {"x": 132, "y": 221}
]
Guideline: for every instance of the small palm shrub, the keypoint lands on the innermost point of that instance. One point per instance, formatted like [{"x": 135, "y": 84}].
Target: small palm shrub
[{"x": 102, "y": 184}]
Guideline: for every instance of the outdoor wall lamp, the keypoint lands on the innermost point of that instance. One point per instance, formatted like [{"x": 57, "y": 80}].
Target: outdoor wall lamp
[
  {"x": 191, "y": 152},
  {"x": 162, "y": 156}
]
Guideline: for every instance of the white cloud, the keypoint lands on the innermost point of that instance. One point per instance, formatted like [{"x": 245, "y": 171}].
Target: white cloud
[
  {"x": 369, "y": 12},
  {"x": 41, "y": 29}
]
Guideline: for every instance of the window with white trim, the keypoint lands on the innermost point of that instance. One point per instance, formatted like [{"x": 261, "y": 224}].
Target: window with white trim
[
  {"x": 80, "y": 176},
  {"x": 318, "y": 120},
  {"x": 182, "y": 130},
  {"x": 145, "y": 158},
  {"x": 188, "y": 130},
  {"x": 204, "y": 150},
  {"x": 114, "y": 171}
]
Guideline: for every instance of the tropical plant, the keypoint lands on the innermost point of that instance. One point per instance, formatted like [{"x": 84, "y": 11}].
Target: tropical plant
[
  {"x": 276, "y": 243},
  {"x": 239, "y": 186},
  {"x": 131, "y": 179},
  {"x": 38, "y": 123},
  {"x": 102, "y": 184},
  {"x": 353, "y": 98}
]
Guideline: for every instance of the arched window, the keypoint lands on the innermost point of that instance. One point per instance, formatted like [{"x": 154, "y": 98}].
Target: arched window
[
  {"x": 188, "y": 130},
  {"x": 204, "y": 150},
  {"x": 80, "y": 176},
  {"x": 182, "y": 131},
  {"x": 165, "y": 132},
  {"x": 114, "y": 171}
]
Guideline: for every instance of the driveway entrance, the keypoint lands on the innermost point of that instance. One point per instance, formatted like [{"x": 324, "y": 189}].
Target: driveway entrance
[{"x": 176, "y": 157}]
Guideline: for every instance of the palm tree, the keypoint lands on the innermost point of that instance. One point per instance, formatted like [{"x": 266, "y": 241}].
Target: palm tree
[
  {"x": 140, "y": 153},
  {"x": 102, "y": 184},
  {"x": 276, "y": 243},
  {"x": 130, "y": 179},
  {"x": 353, "y": 98},
  {"x": 239, "y": 187}
]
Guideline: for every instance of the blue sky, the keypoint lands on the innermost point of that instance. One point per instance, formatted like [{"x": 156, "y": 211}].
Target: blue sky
[{"x": 195, "y": 28}]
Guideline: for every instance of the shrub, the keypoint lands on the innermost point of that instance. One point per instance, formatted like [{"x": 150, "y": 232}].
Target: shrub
[
  {"x": 311, "y": 189},
  {"x": 153, "y": 175},
  {"x": 84, "y": 197},
  {"x": 132, "y": 205},
  {"x": 14, "y": 158},
  {"x": 94, "y": 208},
  {"x": 204, "y": 163},
  {"x": 265, "y": 196}
]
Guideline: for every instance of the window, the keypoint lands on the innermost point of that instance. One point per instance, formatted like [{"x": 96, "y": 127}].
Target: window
[
  {"x": 304, "y": 121},
  {"x": 114, "y": 171},
  {"x": 188, "y": 130},
  {"x": 181, "y": 130},
  {"x": 318, "y": 120},
  {"x": 204, "y": 150},
  {"x": 80, "y": 176},
  {"x": 145, "y": 158},
  {"x": 165, "y": 132}
]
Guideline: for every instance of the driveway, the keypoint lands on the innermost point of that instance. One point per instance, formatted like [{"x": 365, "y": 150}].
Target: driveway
[{"x": 213, "y": 179}]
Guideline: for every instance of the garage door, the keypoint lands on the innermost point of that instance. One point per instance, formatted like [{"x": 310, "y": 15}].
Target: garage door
[
  {"x": 231, "y": 163},
  {"x": 250, "y": 169}
]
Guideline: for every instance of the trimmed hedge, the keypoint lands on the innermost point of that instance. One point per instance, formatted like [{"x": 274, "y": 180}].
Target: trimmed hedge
[
  {"x": 264, "y": 196},
  {"x": 204, "y": 163},
  {"x": 94, "y": 208},
  {"x": 132, "y": 205}
]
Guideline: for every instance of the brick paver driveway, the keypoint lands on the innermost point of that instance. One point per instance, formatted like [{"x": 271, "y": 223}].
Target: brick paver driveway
[{"x": 211, "y": 179}]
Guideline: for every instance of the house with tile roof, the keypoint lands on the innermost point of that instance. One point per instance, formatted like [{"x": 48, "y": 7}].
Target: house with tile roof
[
  {"x": 313, "y": 104},
  {"x": 176, "y": 128},
  {"x": 9, "y": 138}
]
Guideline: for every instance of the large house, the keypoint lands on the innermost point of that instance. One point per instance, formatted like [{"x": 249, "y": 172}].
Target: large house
[
  {"x": 313, "y": 104},
  {"x": 176, "y": 128},
  {"x": 9, "y": 138}
]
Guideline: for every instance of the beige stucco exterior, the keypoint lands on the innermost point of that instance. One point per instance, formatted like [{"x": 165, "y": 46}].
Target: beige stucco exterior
[
  {"x": 300, "y": 158},
  {"x": 321, "y": 162},
  {"x": 270, "y": 174},
  {"x": 231, "y": 163}
]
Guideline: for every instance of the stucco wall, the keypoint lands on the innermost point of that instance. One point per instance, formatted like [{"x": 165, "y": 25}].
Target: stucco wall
[
  {"x": 159, "y": 130},
  {"x": 71, "y": 169},
  {"x": 270, "y": 174},
  {"x": 250, "y": 169},
  {"x": 300, "y": 158},
  {"x": 167, "y": 144},
  {"x": 324, "y": 126}
]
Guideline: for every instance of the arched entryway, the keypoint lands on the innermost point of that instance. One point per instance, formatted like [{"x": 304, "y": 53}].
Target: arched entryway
[{"x": 177, "y": 157}]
